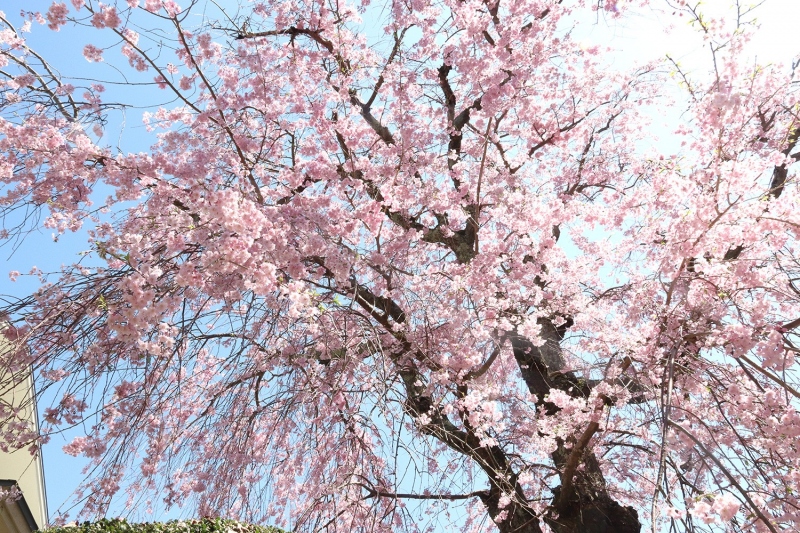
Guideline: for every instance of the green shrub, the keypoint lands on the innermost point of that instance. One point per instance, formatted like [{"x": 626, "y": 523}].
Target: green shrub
[{"x": 201, "y": 525}]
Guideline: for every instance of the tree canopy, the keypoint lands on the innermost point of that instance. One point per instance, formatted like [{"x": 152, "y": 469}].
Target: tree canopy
[{"x": 411, "y": 265}]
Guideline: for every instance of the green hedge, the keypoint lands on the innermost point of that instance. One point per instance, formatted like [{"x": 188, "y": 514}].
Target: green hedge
[{"x": 202, "y": 525}]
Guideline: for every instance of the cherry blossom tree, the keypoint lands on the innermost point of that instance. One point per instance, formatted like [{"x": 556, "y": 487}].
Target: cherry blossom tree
[{"x": 413, "y": 266}]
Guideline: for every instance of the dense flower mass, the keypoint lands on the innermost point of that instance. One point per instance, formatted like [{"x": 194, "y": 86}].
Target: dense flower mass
[{"x": 411, "y": 266}]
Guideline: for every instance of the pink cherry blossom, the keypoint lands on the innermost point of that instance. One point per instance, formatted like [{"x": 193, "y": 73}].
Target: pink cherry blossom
[
  {"x": 56, "y": 15},
  {"x": 726, "y": 506},
  {"x": 410, "y": 267},
  {"x": 93, "y": 53},
  {"x": 107, "y": 17}
]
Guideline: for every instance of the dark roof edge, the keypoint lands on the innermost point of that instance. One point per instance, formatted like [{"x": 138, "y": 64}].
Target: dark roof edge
[{"x": 23, "y": 505}]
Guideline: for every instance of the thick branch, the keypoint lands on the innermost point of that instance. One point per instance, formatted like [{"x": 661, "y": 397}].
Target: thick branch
[
  {"x": 382, "y": 131},
  {"x": 292, "y": 31},
  {"x": 780, "y": 173}
]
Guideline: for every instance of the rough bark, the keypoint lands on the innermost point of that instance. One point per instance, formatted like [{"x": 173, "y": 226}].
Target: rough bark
[{"x": 586, "y": 506}]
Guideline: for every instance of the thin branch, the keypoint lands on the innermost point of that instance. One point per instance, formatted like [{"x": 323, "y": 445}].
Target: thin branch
[
  {"x": 727, "y": 474},
  {"x": 774, "y": 378},
  {"x": 488, "y": 363},
  {"x": 476, "y": 218},
  {"x": 372, "y": 493}
]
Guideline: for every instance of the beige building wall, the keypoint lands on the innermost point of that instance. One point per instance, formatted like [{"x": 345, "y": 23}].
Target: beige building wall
[{"x": 20, "y": 465}]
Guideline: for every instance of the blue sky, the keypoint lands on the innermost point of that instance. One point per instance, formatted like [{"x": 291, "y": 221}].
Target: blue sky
[{"x": 636, "y": 39}]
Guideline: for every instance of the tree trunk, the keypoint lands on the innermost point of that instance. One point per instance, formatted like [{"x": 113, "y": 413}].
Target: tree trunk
[
  {"x": 519, "y": 518},
  {"x": 587, "y": 507}
]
